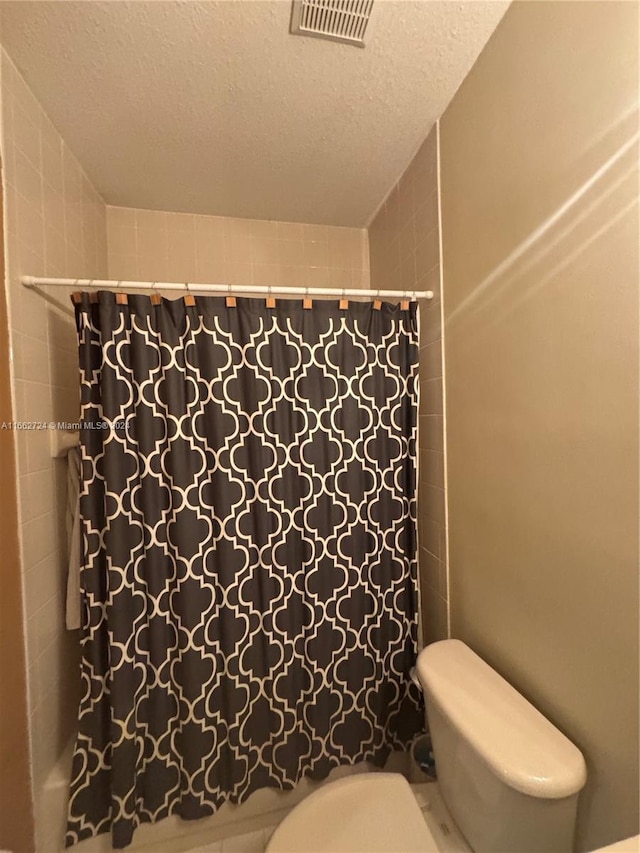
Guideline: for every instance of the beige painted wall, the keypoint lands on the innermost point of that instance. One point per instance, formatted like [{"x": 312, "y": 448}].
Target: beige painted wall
[
  {"x": 152, "y": 245},
  {"x": 54, "y": 225},
  {"x": 540, "y": 257},
  {"x": 405, "y": 255}
]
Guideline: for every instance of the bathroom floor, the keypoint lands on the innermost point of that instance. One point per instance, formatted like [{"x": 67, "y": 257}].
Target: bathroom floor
[
  {"x": 250, "y": 842},
  {"x": 447, "y": 837}
]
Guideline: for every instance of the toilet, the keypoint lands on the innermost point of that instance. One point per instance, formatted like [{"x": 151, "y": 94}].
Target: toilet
[{"x": 508, "y": 780}]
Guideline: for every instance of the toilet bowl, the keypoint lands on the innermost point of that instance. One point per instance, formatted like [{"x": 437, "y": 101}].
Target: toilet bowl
[
  {"x": 369, "y": 813},
  {"x": 507, "y": 778}
]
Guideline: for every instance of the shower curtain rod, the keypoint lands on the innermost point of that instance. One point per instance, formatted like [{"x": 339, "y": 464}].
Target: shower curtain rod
[{"x": 193, "y": 288}]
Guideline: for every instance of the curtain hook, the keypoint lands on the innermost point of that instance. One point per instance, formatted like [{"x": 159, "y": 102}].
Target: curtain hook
[
  {"x": 189, "y": 299},
  {"x": 271, "y": 302}
]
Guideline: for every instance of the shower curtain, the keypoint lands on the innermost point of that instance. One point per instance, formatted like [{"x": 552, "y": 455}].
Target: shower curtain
[{"x": 248, "y": 579}]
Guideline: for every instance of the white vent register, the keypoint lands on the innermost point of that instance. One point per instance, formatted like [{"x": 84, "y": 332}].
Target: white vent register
[{"x": 336, "y": 20}]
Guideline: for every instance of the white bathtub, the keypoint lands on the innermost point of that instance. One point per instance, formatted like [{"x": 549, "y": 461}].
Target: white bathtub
[{"x": 264, "y": 808}]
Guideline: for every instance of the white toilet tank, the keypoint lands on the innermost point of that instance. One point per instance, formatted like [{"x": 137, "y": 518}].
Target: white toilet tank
[{"x": 509, "y": 778}]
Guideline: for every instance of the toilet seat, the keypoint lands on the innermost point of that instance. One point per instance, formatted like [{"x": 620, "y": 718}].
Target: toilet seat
[{"x": 367, "y": 813}]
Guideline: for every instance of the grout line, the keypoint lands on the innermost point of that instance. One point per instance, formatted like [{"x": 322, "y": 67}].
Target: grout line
[
  {"x": 48, "y": 554},
  {"x": 40, "y": 515},
  {"x": 431, "y": 554},
  {"x": 444, "y": 383}
]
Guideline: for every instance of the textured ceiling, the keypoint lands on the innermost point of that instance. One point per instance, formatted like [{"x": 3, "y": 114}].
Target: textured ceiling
[{"x": 213, "y": 107}]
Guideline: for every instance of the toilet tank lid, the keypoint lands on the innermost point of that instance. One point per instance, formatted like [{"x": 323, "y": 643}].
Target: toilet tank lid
[{"x": 521, "y": 747}]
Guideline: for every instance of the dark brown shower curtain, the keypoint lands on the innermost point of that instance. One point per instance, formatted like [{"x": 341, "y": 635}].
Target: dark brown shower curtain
[{"x": 249, "y": 551}]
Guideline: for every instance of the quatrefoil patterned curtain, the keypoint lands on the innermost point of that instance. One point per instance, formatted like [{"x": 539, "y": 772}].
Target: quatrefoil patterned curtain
[{"x": 248, "y": 551}]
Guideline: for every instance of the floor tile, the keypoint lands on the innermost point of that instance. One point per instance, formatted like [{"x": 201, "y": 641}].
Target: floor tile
[
  {"x": 250, "y": 842},
  {"x": 268, "y": 832}
]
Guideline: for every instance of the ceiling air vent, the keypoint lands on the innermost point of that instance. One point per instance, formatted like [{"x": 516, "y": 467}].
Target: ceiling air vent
[{"x": 337, "y": 20}]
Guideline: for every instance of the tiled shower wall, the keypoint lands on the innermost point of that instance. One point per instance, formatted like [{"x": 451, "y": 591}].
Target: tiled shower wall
[
  {"x": 155, "y": 246},
  {"x": 55, "y": 224},
  {"x": 404, "y": 246}
]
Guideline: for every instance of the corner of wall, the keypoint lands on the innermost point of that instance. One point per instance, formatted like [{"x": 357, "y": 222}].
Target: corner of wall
[
  {"x": 404, "y": 248},
  {"x": 444, "y": 379}
]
